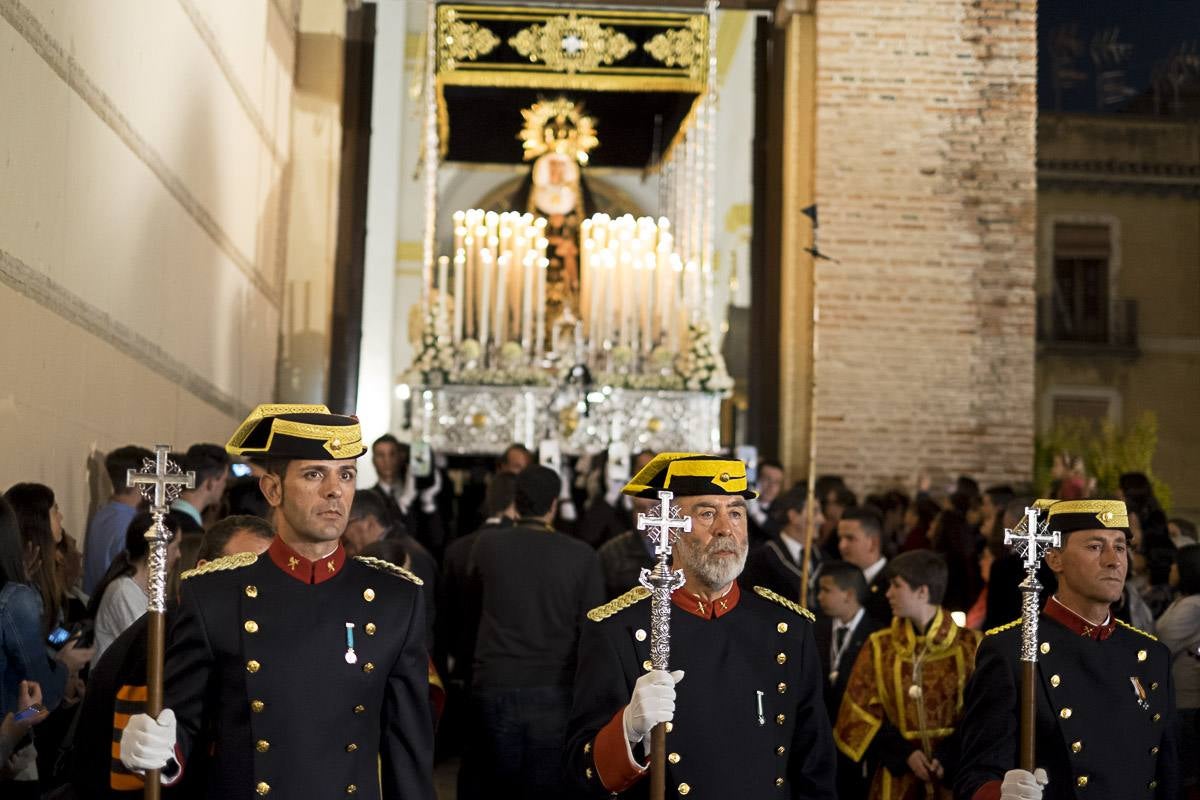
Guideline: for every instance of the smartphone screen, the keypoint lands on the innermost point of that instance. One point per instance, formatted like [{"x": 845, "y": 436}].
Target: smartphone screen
[
  {"x": 29, "y": 713},
  {"x": 58, "y": 637}
]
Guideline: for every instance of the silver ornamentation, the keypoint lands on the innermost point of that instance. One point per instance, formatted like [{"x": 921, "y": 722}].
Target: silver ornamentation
[
  {"x": 662, "y": 530},
  {"x": 160, "y": 480},
  {"x": 1031, "y": 541}
]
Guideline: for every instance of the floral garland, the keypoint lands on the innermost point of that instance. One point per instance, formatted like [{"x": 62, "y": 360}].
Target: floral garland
[
  {"x": 435, "y": 361},
  {"x": 700, "y": 366}
]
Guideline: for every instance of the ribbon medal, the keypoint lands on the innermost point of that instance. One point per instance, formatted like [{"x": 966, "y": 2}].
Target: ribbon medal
[
  {"x": 1140, "y": 692},
  {"x": 351, "y": 658}
]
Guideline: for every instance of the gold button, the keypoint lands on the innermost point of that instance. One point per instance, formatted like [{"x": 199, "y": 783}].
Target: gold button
[
  {"x": 779, "y": 781},
  {"x": 1154, "y": 686},
  {"x": 646, "y": 665},
  {"x": 1152, "y": 784},
  {"x": 263, "y": 788},
  {"x": 781, "y": 627},
  {"x": 684, "y": 788},
  {"x": 335, "y": 443},
  {"x": 1081, "y": 781},
  {"x": 587, "y": 748},
  {"x": 1076, "y": 747},
  {"x": 262, "y": 745},
  {"x": 370, "y": 628},
  {"x": 589, "y": 773},
  {"x": 257, "y": 706},
  {"x": 359, "y": 709},
  {"x": 1141, "y": 655},
  {"x": 368, "y": 667},
  {"x": 1154, "y": 750},
  {"x": 780, "y": 750},
  {"x": 1055, "y": 680},
  {"x": 1065, "y": 713},
  {"x": 640, "y": 635},
  {"x": 780, "y": 719},
  {"x": 673, "y": 758},
  {"x": 252, "y": 591},
  {"x": 251, "y": 626},
  {"x": 368, "y": 595},
  {"x": 252, "y": 666},
  {"x": 1156, "y": 717},
  {"x": 670, "y": 727},
  {"x": 781, "y": 658},
  {"x": 1045, "y": 648},
  {"x": 350, "y": 748},
  {"x": 351, "y": 789}
]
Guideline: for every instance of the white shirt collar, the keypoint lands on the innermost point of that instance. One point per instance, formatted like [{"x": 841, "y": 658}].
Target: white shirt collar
[
  {"x": 852, "y": 624},
  {"x": 794, "y": 548},
  {"x": 870, "y": 572}
]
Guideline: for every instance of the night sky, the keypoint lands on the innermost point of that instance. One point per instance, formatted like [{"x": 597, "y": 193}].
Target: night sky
[{"x": 1103, "y": 55}]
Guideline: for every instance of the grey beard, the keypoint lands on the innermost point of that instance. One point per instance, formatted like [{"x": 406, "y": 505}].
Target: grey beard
[{"x": 712, "y": 571}]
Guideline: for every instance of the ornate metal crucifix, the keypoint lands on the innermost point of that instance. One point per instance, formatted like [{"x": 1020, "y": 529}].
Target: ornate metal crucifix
[
  {"x": 1031, "y": 542},
  {"x": 160, "y": 481},
  {"x": 663, "y": 529}
]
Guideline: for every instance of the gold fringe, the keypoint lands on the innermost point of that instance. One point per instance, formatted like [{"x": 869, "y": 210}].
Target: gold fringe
[
  {"x": 1004, "y": 627},
  {"x": 387, "y": 566},
  {"x": 634, "y": 595},
  {"x": 1124, "y": 624},
  {"x": 235, "y": 561},
  {"x": 762, "y": 591}
]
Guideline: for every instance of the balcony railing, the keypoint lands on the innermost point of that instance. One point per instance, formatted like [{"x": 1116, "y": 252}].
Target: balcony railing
[{"x": 1065, "y": 334}]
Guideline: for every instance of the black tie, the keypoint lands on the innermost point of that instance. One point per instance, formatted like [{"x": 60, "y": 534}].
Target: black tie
[{"x": 839, "y": 639}]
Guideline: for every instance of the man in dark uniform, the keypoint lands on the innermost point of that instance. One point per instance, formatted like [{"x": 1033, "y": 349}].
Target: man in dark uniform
[
  {"x": 860, "y": 542},
  {"x": 1105, "y": 701},
  {"x": 309, "y": 669},
  {"x": 743, "y": 709}
]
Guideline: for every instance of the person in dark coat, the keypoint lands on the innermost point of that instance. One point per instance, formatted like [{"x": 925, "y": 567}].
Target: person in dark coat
[
  {"x": 1105, "y": 723},
  {"x": 778, "y": 563},
  {"x": 742, "y": 708},
  {"x": 310, "y": 669},
  {"x": 860, "y": 542}
]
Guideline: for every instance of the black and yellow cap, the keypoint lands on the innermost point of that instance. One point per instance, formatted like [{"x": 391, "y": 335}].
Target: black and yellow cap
[
  {"x": 1068, "y": 516},
  {"x": 690, "y": 475},
  {"x": 296, "y": 431}
]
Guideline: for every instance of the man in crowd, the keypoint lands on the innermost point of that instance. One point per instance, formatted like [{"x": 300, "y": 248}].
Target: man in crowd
[
  {"x": 860, "y": 542},
  {"x": 768, "y": 483},
  {"x": 742, "y": 707},
  {"x": 840, "y": 634},
  {"x": 905, "y": 690},
  {"x": 106, "y": 532},
  {"x": 210, "y": 462},
  {"x": 390, "y": 459},
  {"x": 534, "y": 585},
  {"x": 610, "y": 514},
  {"x": 1105, "y": 716},
  {"x": 778, "y": 562},
  {"x": 309, "y": 669},
  {"x": 371, "y": 522},
  {"x": 623, "y": 557}
]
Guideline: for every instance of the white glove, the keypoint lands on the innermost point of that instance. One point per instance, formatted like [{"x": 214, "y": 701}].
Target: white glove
[
  {"x": 1021, "y": 785},
  {"x": 148, "y": 744},
  {"x": 653, "y": 702},
  {"x": 429, "y": 496}
]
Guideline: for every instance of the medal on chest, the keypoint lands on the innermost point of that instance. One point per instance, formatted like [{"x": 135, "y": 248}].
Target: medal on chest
[
  {"x": 351, "y": 658},
  {"x": 1139, "y": 692}
]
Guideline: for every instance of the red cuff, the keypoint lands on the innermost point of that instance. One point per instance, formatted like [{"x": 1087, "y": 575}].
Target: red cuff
[
  {"x": 614, "y": 767},
  {"x": 989, "y": 791},
  {"x": 177, "y": 774}
]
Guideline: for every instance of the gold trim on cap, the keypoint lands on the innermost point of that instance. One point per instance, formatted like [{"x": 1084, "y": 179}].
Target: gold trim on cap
[{"x": 1108, "y": 513}]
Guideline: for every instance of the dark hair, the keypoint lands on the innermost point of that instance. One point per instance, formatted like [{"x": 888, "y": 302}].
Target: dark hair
[
  {"x": 843, "y": 497},
  {"x": 370, "y": 504},
  {"x": 1000, "y": 494},
  {"x": 537, "y": 489},
  {"x": 794, "y": 499},
  {"x": 212, "y": 546},
  {"x": 32, "y": 503},
  {"x": 963, "y": 502},
  {"x": 501, "y": 492},
  {"x": 391, "y": 550},
  {"x": 208, "y": 461},
  {"x": 518, "y": 447},
  {"x": 825, "y": 483},
  {"x": 118, "y": 463},
  {"x": 921, "y": 568},
  {"x": 136, "y": 548},
  {"x": 1188, "y": 559},
  {"x": 893, "y": 499},
  {"x": 1186, "y": 526},
  {"x": 1139, "y": 494},
  {"x": 12, "y": 552},
  {"x": 387, "y": 438},
  {"x": 1015, "y": 508},
  {"x": 867, "y": 517},
  {"x": 769, "y": 462},
  {"x": 846, "y": 576},
  {"x": 245, "y": 496},
  {"x": 926, "y": 509},
  {"x": 966, "y": 485}
]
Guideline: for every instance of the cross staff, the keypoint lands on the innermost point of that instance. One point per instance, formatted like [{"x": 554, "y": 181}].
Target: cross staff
[
  {"x": 1031, "y": 542},
  {"x": 160, "y": 481},
  {"x": 663, "y": 530}
]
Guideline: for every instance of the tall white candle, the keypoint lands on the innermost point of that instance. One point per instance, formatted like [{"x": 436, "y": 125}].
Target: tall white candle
[
  {"x": 460, "y": 269},
  {"x": 500, "y": 327},
  {"x": 443, "y": 287},
  {"x": 527, "y": 280},
  {"x": 539, "y": 305},
  {"x": 485, "y": 268}
]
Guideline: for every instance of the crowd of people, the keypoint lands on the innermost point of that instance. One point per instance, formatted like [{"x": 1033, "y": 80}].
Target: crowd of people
[{"x": 514, "y": 558}]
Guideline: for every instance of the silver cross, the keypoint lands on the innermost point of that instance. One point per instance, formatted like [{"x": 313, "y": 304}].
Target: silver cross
[
  {"x": 662, "y": 528},
  {"x": 160, "y": 481},
  {"x": 1032, "y": 540}
]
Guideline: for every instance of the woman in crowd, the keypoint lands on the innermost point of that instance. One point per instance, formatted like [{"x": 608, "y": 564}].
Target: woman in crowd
[
  {"x": 1179, "y": 630},
  {"x": 954, "y": 539},
  {"x": 121, "y": 595},
  {"x": 40, "y": 522}
]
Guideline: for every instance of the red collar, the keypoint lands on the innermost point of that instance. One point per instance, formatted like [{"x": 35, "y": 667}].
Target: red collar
[
  {"x": 704, "y": 609},
  {"x": 1077, "y": 624},
  {"x": 303, "y": 570}
]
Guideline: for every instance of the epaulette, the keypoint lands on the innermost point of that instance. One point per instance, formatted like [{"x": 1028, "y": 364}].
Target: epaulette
[
  {"x": 222, "y": 564},
  {"x": 1004, "y": 627},
  {"x": 387, "y": 566},
  {"x": 1124, "y": 624},
  {"x": 762, "y": 591},
  {"x": 634, "y": 595}
]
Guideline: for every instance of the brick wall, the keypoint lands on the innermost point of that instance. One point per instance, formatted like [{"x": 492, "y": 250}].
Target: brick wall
[{"x": 925, "y": 177}]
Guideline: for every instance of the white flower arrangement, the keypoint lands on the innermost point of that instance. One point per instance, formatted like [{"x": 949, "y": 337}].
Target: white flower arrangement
[
  {"x": 644, "y": 382},
  {"x": 510, "y": 356},
  {"x": 435, "y": 360},
  {"x": 701, "y": 368},
  {"x": 519, "y": 376},
  {"x": 622, "y": 357},
  {"x": 468, "y": 351}
]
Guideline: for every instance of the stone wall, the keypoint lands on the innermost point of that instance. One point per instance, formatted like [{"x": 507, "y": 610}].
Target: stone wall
[{"x": 925, "y": 180}]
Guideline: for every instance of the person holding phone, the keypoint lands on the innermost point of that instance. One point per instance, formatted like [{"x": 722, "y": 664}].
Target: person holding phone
[{"x": 30, "y": 712}]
